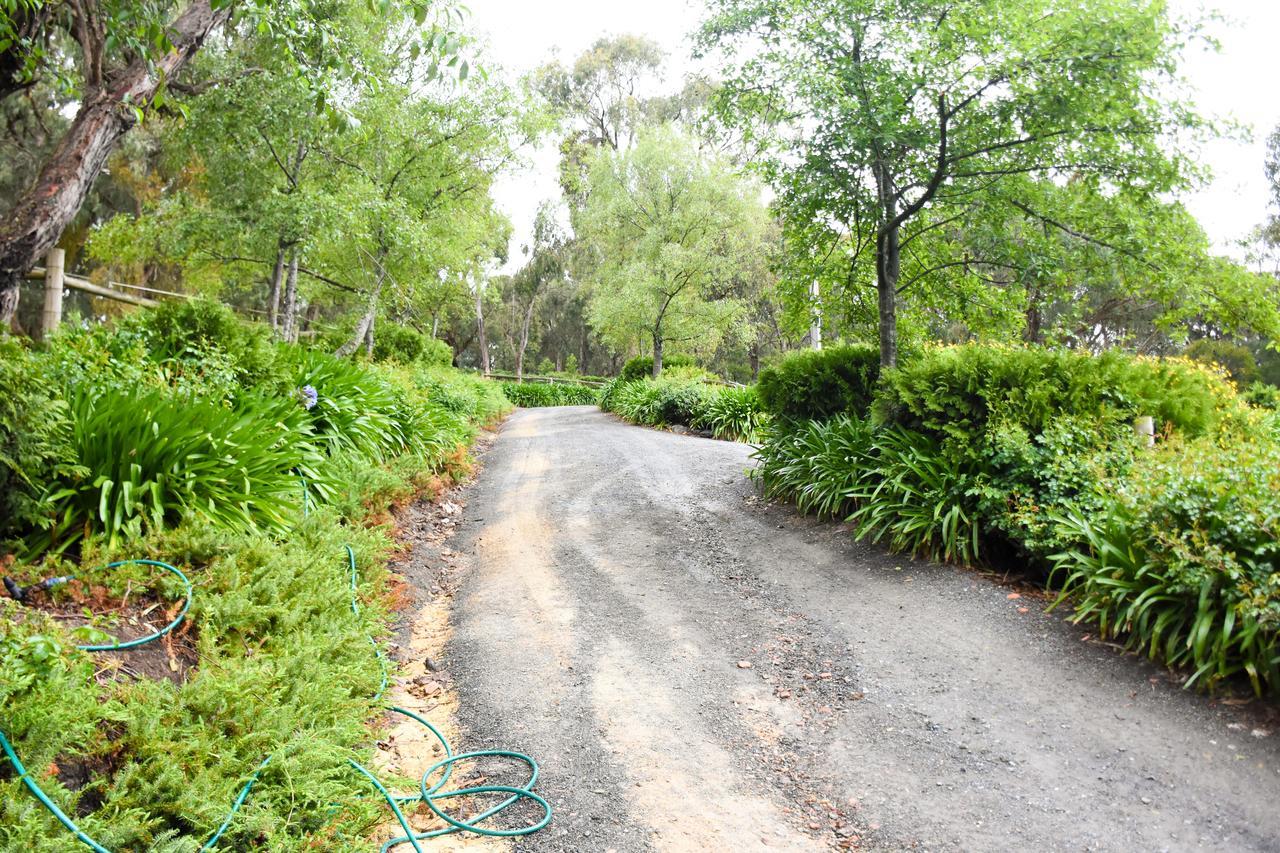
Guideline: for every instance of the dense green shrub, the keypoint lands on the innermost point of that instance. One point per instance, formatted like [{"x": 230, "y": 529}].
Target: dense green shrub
[
  {"x": 641, "y": 366},
  {"x": 119, "y": 356},
  {"x": 728, "y": 413},
  {"x": 816, "y": 384},
  {"x": 1072, "y": 462},
  {"x": 956, "y": 391},
  {"x": 1264, "y": 396},
  {"x": 535, "y": 394},
  {"x": 661, "y": 402},
  {"x": 1238, "y": 361},
  {"x": 680, "y": 403},
  {"x": 635, "y": 402},
  {"x": 407, "y": 345},
  {"x": 189, "y": 330},
  {"x": 733, "y": 414},
  {"x": 1184, "y": 563},
  {"x": 35, "y": 440},
  {"x": 607, "y": 392},
  {"x": 464, "y": 394}
]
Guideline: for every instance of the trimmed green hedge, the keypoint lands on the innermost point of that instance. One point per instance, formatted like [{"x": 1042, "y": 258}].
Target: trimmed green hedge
[
  {"x": 957, "y": 391},
  {"x": 817, "y": 384}
]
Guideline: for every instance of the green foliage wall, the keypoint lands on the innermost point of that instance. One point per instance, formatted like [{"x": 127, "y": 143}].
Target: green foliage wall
[
  {"x": 35, "y": 439},
  {"x": 957, "y": 391},
  {"x": 821, "y": 383}
]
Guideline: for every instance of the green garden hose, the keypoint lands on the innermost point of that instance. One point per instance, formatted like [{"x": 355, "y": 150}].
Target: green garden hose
[
  {"x": 133, "y": 644},
  {"x": 428, "y": 795}
]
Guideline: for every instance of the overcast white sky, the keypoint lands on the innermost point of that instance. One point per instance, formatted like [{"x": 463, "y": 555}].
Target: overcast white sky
[{"x": 1239, "y": 82}]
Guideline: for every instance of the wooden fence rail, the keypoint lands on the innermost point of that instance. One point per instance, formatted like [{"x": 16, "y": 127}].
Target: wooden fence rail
[{"x": 549, "y": 380}]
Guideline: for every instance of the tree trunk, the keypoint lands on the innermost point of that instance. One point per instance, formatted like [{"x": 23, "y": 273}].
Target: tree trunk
[
  {"x": 524, "y": 342},
  {"x": 753, "y": 357},
  {"x": 1033, "y": 332},
  {"x": 277, "y": 277},
  {"x": 480, "y": 332},
  {"x": 364, "y": 328},
  {"x": 657, "y": 354},
  {"x": 815, "y": 322},
  {"x": 888, "y": 267},
  {"x": 368, "y": 335},
  {"x": 37, "y": 220},
  {"x": 289, "y": 328}
]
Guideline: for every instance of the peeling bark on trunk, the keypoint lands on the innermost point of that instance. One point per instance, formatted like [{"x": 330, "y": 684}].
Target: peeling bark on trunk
[
  {"x": 524, "y": 341},
  {"x": 277, "y": 277},
  {"x": 35, "y": 223},
  {"x": 289, "y": 328}
]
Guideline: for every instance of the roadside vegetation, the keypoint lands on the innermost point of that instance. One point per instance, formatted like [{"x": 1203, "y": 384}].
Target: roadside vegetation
[
  {"x": 1024, "y": 456},
  {"x": 682, "y": 396},
  {"x": 531, "y": 395},
  {"x": 183, "y": 434}
]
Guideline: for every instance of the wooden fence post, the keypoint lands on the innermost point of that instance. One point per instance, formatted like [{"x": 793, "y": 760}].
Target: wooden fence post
[{"x": 52, "y": 317}]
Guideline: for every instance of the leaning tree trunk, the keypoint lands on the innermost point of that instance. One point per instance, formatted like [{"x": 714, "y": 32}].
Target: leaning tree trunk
[
  {"x": 277, "y": 278},
  {"x": 524, "y": 342},
  {"x": 37, "y": 220},
  {"x": 364, "y": 328}
]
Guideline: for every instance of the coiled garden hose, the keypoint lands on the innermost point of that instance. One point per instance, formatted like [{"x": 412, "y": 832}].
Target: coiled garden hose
[{"x": 427, "y": 794}]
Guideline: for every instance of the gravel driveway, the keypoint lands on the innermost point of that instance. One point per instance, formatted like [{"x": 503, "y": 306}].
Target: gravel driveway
[{"x": 698, "y": 670}]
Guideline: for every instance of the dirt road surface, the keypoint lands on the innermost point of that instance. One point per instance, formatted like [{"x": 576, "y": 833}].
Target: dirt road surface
[{"x": 698, "y": 670}]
